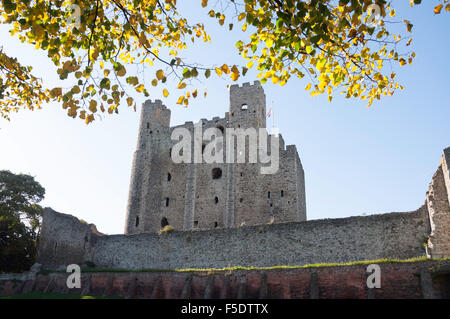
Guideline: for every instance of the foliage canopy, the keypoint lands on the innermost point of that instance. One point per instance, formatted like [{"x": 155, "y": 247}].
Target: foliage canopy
[
  {"x": 20, "y": 218},
  {"x": 338, "y": 46}
]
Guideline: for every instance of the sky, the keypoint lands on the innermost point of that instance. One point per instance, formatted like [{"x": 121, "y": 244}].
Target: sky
[{"x": 357, "y": 160}]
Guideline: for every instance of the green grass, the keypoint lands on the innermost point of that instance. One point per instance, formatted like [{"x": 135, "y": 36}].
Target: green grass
[
  {"x": 234, "y": 268},
  {"x": 54, "y": 295}
]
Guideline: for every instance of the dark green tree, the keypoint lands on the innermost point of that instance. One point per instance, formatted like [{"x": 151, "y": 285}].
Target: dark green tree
[{"x": 20, "y": 219}]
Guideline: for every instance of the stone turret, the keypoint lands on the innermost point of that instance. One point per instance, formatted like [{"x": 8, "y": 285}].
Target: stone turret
[{"x": 247, "y": 106}]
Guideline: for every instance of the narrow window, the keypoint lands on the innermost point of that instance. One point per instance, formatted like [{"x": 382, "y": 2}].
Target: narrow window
[
  {"x": 282, "y": 193},
  {"x": 164, "y": 222},
  {"x": 216, "y": 200},
  {"x": 167, "y": 201},
  {"x": 241, "y": 174},
  {"x": 268, "y": 195},
  {"x": 169, "y": 177},
  {"x": 137, "y": 221},
  {"x": 196, "y": 223},
  {"x": 216, "y": 173},
  {"x": 203, "y": 148},
  {"x": 215, "y": 224},
  {"x": 148, "y": 125},
  {"x": 241, "y": 200}
]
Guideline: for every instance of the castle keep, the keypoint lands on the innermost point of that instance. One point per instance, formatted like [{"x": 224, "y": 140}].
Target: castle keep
[{"x": 192, "y": 195}]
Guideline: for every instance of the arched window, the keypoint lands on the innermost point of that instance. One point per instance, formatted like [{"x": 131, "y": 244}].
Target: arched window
[
  {"x": 282, "y": 193},
  {"x": 164, "y": 222},
  {"x": 167, "y": 201},
  {"x": 216, "y": 200},
  {"x": 244, "y": 107},
  {"x": 268, "y": 195},
  {"x": 216, "y": 224},
  {"x": 216, "y": 173},
  {"x": 169, "y": 177}
]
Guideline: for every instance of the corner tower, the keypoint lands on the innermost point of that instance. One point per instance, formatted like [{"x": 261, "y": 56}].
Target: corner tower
[
  {"x": 247, "y": 106},
  {"x": 145, "y": 174}
]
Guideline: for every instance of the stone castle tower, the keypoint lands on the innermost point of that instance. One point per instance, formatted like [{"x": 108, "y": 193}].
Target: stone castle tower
[{"x": 202, "y": 196}]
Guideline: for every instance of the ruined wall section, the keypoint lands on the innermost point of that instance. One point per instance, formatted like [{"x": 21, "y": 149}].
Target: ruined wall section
[
  {"x": 438, "y": 199},
  {"x": 64, "y": 240}
]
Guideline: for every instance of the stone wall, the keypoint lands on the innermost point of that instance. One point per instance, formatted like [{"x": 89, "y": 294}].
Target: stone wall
[
  {"x": 438, "y": 199},
  {"x": 64, "y": 239},
  {"x": 395, "y": 235},
  {"x": 429, "y": 279}
]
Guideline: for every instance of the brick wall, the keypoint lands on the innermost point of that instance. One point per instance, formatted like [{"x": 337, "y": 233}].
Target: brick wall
[{"x": 429, "y": 279}]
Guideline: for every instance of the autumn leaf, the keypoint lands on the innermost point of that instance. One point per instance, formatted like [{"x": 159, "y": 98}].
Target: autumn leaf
[{"x": 438, "y": 8}]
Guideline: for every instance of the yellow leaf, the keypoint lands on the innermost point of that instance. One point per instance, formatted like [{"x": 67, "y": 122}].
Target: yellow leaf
[
  {"x": 241, "y": 16},
  {"x": 181, "y": 85},
  {"x": 93, "y": 106},
  {"x": 76, "y": 89},
  {"x": 234, "y": 76},
  {"x": 194, "y": 93},
  {"x": 250, "y": 64},
  {"x": 225, "y": 69},
  {"x": 165, "y": 93},
  {"x": 140, "y": 88},
  {"x": 122, "y": 71},
  {"x": 129, "y": 101},
  {"x": 308, "y": 87},
  {"x": 438, "y": 8},
  {"x": 180, "y": 99},
  {"x": 160, "y": 74},
  {"x": 218, "y": 71},
  {"x": 204, "y": 3},
  {"x": 402, "y": 61},
  {"x": 55, "y": 92},
  {"x": 154, "y": 82},
  {"x": 275, "y": 79},
  {"x": 269, "y": 42},
  {"x": 392, "y": 13},
  {"x": 89, "y": 118}
]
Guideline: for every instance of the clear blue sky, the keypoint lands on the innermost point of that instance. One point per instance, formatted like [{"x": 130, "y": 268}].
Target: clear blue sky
[{"x": 357, "y": 160}]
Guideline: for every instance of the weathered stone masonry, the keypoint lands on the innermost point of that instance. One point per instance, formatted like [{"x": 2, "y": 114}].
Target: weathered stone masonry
[{"x": 188, "y": 195}]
